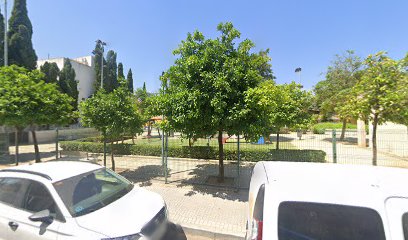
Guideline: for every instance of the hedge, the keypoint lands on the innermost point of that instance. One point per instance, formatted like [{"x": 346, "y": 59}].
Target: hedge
[{"x": 199, "y": 152}]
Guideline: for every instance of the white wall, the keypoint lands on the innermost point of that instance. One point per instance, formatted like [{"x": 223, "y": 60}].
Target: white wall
[
  {"x": 85, "y": 73},
  {"x": 391, "y": 138}
]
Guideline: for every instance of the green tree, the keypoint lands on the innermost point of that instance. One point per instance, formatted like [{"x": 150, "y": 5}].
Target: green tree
[
  {"x": 26, "y": 101},
  {"x": 333, "y": 92},
  {"x": 98, "y": 55},
  {"x": 129, "y": 80},
  {"x": 204, "y": 91},
  {"x": 120, "y": 71},
  {"x": 1, "y": 39},
  {"x": 67, "y": 82},
  {"x": 21, "y": 51},
  {"x": 279, "y": 106},
  {"x": 111, "y": 72},
  {"x": 113, "y": 114},
  {"x": 51, "y": 72},
  {"x": 379, "y": 95}
]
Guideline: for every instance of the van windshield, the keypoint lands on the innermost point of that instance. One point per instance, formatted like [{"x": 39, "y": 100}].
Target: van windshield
[
  {"x": 91, "y": 191},
  {"x": 307, "y": 221}
]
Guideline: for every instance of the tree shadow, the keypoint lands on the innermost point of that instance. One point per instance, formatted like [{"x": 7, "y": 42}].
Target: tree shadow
[
  {"x": 346, "y": 141},
  {"x": 26, "y": 157},
  {"x": 142, "y": 175},
  {"x": 198, "y": 180}
]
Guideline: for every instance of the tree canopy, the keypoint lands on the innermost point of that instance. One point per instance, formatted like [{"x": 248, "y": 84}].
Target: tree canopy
[
  {"x": 67, "y": 82},
  {"x": 113, "y": 114},
  {"x": 129, "y": 80},
  {"x": 111, "y": 80},
  {"x": 204, "y": 91},
  {"x": 21, "y": 51},
  {"x": 51, "y": 72}
]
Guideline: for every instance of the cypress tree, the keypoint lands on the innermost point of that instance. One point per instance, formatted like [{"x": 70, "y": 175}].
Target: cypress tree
[
  {"x": 144, "y": 87},
  {"x": 120, "y": 71},
  {"x": 130, "y": 80},
  {"x": 67, "y": 82},
  {"x": 21, "y": 51},
  {"x": 111, "y": 72},
  {"x": 1, "y": 39},
  {"x": 97, "y": 63},
  {"x": 51, "y": 72}
]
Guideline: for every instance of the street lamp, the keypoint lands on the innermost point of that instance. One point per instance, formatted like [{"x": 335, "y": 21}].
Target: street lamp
[{"x": 5, "y": 35}]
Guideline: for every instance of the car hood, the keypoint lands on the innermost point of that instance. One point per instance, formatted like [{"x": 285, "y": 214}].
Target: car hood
[{"x": 125, "y": 216}]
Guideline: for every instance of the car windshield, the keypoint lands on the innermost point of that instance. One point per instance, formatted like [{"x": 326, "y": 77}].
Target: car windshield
[{"x": 91, "y": 191}]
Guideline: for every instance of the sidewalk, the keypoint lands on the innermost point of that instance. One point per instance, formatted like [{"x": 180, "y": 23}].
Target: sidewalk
[{"x": 205, "y": 209}]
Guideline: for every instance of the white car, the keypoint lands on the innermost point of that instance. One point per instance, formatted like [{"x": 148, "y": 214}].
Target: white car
[
  {"x": 300, "y": 201},
  {"x": 76, "y": 200}
]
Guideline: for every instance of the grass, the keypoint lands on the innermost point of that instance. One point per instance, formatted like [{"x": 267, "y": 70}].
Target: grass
[{"x": 333, "y": 125}]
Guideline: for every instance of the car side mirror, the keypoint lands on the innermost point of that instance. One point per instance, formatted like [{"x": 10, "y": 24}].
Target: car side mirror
[{"x": 42, "y": 216}]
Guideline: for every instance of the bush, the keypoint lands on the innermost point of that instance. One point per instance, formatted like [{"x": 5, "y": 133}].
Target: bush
[
  {"x": 319, "y": 130},
  {"x": 199, "y": 152}
]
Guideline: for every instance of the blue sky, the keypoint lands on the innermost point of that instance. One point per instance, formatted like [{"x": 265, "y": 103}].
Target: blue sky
[{"x": 302, "y": 33}]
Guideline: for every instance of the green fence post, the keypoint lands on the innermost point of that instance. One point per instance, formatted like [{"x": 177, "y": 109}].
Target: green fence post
[
  {"x": 334, "y": 146},
  {"x": 104, "y": 148},
  {"x": 239, "y": 162},
  {"x": 56, "y": 144},
  {"x": 166, "y": 159},
  {"x": 162, "y": 148}
]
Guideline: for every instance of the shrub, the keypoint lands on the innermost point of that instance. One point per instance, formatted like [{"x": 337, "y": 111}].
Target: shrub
[
  {"x": 200, "y": 152},
  {"x": 319, "y": 130}
]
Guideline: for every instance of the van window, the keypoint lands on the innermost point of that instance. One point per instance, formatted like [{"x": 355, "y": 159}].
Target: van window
[
  {"x": 305, "y": 220},
  {"x": 405, "y": 225}
]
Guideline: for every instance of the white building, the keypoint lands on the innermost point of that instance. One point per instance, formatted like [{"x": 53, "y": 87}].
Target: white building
[{"x": 84, "y": 72}]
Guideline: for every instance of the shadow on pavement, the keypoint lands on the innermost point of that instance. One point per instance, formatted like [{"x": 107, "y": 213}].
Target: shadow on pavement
[
  {"x": 143, "y": 174},
  {"x": 174, "y": 232},
  {"x": 198, "y": 180},
  {"x": 27, "y": 157}
]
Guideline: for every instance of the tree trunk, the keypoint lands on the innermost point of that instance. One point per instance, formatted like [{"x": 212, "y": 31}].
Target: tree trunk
[
  {"x": 133, "y": 139},
  {"x": 221, "y": 157},
  {"x": 277, "y": 141},
  {"x": 112, "y": 159},
  {"x": 36, "y": 150},
  {"x": 343, "y": 129},
  {"x": 158, "y": 130},
  {"x": 17, "y": 133},
  {"x": 374, "y": 139}
]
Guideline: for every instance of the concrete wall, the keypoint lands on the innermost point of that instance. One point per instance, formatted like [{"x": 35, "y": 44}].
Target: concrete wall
[
  {"x": 84, "y": 70},
  {"x": 391, "y": 138},
  {"x": 49, "y": 136}
]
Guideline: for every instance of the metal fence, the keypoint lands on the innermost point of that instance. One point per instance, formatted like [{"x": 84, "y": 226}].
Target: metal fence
[{"x": 195, "y": 162}]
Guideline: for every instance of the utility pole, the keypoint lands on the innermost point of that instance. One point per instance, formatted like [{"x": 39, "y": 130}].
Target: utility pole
[{"x": 5, "y": 35}]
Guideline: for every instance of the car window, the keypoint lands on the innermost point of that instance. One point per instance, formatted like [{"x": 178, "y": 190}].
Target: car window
[
  {"x": 405, "y": 225},
  {"x": 38, "y": 198},
  {"x": 91, "y": 191},
  {"x": 12, "y": 190},
  {"x": 301, "y": 221}
]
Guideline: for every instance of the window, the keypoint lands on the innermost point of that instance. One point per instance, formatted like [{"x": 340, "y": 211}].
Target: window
[
  {"x": 91, "y": 191},
  {"x": 302, "y": 220},
  {"x": 38, "y": 199},
  {"x": 12, "y": 190},
  {"x": 405, "y": 225}
]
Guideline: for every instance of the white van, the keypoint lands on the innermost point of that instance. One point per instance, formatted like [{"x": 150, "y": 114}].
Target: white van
[{"x": 303, "y": 201}]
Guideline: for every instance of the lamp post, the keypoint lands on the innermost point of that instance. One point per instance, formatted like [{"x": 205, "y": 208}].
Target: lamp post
[{"x": 5, "y": 35}]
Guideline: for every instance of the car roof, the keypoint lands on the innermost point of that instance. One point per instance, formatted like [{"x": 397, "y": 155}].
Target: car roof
[
  {"x": 56, "y": 170},
  {"x": 390, "y": 181}
]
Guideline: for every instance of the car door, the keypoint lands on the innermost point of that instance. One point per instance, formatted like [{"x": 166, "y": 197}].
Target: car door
[
  {"x": 35, "y": 199},
  {"x": 397, "y": 212},
  {"x": 11, "y": 194}
]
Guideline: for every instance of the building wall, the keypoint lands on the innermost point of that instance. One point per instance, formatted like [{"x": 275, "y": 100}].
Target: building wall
[
  {"x": 391, "y": 138},
  {"x": 84, "y": 70}
]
